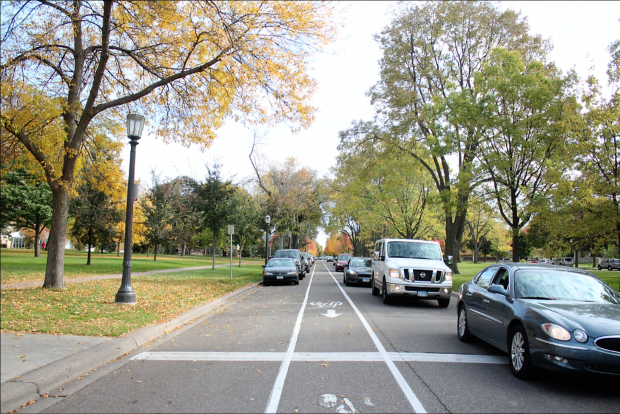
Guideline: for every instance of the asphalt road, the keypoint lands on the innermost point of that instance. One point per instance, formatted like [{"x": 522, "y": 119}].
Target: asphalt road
[{"x": 323, "y": 347}]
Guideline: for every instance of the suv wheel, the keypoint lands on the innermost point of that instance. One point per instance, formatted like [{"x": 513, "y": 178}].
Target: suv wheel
[
  {"x": 519, "y": 356},
  {"x": 609, "y": 268},
  {"x": 344, "y": 278},
  {"x": 374, "y": 290},
  {"x": 387, "y": 299},
  {"x": 599, "y": 267},
  {"x": 462, "y": 327}
]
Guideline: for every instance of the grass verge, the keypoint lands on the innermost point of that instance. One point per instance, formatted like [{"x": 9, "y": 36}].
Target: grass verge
[
  {"x": 20, "y": 265},
  {"x": 88, "y": 308}
]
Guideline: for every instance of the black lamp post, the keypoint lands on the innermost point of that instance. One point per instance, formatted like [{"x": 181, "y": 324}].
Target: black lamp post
[
  {"x": 267, "y": 221},
  {"x": 125, "y": 294}
]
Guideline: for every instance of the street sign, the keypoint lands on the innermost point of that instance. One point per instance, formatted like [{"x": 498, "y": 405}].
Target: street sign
[{"x": 231, "y": 229}]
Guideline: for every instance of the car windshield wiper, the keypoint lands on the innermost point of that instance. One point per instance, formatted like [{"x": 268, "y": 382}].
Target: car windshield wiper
[{"x": 537, "y": 297}]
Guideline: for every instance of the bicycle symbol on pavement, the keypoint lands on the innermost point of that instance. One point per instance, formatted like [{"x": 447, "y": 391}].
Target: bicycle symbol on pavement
[{"x": 325, "y": 305}]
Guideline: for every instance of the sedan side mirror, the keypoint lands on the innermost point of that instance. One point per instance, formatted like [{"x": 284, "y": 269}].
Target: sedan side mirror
[{"x": 498, "y": 289}]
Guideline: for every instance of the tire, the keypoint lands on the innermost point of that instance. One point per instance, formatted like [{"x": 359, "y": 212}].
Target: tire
[
  {"x": 387, "y": 299},
  {"x": 265, "y": 283},
  {"x": 344, "y": 278},
  {"x": 599, "y": 267},
  {"x": 374, "y": 290},
  {"x": 296, "y": 282},
  {"x": 462, "y": 328},
  {"x": 519, "y": 353},
  {"x": 443, "y": 303},
  {"x": 609, "y": 268}
]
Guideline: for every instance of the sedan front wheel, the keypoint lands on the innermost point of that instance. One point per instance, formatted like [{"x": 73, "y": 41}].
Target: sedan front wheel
[
  {"x": 520, "y": 362},
  {"x": 463, "y": 327}
]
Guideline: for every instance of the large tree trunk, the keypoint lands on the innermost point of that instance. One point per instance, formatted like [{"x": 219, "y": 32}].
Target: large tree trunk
[
  {"x": 37, "y": 233},
  {"x": 213, "y": 265},
  {"x": 515, "y": 245},
  {"x": 54, "y": 270},
  {"x": 90, "y": 244}
]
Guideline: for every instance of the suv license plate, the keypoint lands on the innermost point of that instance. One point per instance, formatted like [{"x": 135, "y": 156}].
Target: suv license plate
[
  {"x": 422, "y": 293},
  {"x": 366, "y": 279},
  {"x": 282, "y": 277}
]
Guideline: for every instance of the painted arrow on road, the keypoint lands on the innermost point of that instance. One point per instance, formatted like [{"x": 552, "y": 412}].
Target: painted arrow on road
[{"x": 331, "y": 313}]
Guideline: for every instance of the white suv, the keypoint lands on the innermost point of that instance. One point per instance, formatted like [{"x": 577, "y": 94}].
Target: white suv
[{"x": 403, "y": 267}]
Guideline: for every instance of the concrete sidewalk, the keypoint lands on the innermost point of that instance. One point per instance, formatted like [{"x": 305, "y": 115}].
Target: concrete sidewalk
[
  {"x": 37, "y": 283},
  {"x": 37, "y": 365}
]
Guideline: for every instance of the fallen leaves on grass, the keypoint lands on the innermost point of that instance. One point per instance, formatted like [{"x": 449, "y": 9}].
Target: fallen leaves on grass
[{"x": 88, "y": 308}]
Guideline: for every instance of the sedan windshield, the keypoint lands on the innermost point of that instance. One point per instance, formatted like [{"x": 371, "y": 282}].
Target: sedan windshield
[
  {"x": 281, "y": 263},
  {"x": 360, "y": 263},
  {"x": 291, "y": 254},
  {"x": 562, "y": 285},
  {"x": 344, "y": 257},
  {"x": 414, "y": 250}
]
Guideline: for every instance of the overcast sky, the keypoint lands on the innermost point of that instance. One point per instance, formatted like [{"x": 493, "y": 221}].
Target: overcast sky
[{"x": 579, "y": 31}]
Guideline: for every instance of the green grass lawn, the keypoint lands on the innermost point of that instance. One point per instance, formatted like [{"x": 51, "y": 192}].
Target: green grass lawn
[
  {"x": 469, "y": 270},
  {"x": 19, "y": 265},
  {"x": 88, "y": 308}
]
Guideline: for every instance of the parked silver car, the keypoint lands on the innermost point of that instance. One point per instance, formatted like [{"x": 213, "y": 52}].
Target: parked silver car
[{"x": 609, "y": 264}]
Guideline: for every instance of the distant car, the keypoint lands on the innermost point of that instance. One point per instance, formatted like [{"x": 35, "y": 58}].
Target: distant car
[
  {"x": 359, "y": 270},
  {"x": 342, "y": 261},
  {"x": 609, "y": 264},
  {"x": 280, "y": 269},
  {"x": 534, "y": 261},
  {"x": 547, "y": 316},
  {"x": 566, "y": 261},
  {"x": 505, "y": 260},
  {"x": 545, "y": 261},
  {"x": 294, "y": 254}
]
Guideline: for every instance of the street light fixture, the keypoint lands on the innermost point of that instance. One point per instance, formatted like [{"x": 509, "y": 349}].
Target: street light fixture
[
  {"x": 126, "y": 295},
  {"x": 267, "y": 221}
]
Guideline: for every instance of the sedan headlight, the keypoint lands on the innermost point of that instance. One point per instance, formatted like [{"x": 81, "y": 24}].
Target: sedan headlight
[
  {"x": 556, "y": 331},
  {"x": 580, "y": 336},
  {"x": 394, "y": 273},
  {"x": 352, "y": 272},
  {"x": 448, "y": 276},
  {"x": 294, "y": 272},
  {"x": 267, "y": 274}
]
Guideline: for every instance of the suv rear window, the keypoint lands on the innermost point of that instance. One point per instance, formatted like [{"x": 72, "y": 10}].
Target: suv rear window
[{"x": 291, "y": 254}]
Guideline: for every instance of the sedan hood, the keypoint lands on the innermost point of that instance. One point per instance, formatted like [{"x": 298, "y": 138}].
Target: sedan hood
[
  {"x": 597, "y": 319},
  {"x": 397, "y": 263},
  {"x": 363, "y": 269}
]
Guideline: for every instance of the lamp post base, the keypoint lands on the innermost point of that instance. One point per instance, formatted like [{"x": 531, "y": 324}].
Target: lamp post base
[{"x": 125, "y": 298}]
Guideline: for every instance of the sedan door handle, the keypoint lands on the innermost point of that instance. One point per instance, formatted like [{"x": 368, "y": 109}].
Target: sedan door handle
[{"x": 485, "y": 300}]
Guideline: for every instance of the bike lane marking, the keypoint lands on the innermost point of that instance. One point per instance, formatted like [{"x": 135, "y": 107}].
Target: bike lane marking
[
  {"x": 416, "y": 405},
  {"x": 276, "y": 391}
]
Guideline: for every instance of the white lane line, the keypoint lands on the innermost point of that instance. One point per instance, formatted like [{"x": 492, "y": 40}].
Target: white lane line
[
  {"x": 321, "y": 356},
  {"x": 276, "y": 391},
  {"x": 404, "y": 386}
]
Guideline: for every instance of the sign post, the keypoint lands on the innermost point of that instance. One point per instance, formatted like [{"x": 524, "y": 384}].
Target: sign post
[{"x": 231, "y": 231}]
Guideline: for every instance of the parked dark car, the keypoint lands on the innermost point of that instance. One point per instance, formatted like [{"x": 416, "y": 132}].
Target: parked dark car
[
  {"x": 280, "y": 269},
  {"x": 554, "y": 317},
  {"x": 294, "y": 254},
  {"x": 342, "y": 261},
  {"x": 609, "y": 264},
  {"x": 358, "y": 270}
]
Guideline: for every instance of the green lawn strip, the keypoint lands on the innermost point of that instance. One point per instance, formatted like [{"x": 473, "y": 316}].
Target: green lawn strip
[
  {"x": 20, "y": 265},
  {"x": 88, "y": 308}
]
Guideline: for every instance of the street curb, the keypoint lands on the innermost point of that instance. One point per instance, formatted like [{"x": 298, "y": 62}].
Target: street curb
[{"x": 33, "y": 385}]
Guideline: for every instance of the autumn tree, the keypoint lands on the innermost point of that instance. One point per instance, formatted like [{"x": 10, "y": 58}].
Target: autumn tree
[
  {"x": 526, "y": 111},
  {"x": 64, "y": 63},
  {"x": 159, "y": 213},
  {"x": 213, "y": 199},
  {"x": 26, "y": 202},
  {"x": 429, "y": 51},
  {"x": 247, "y": 217}
]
